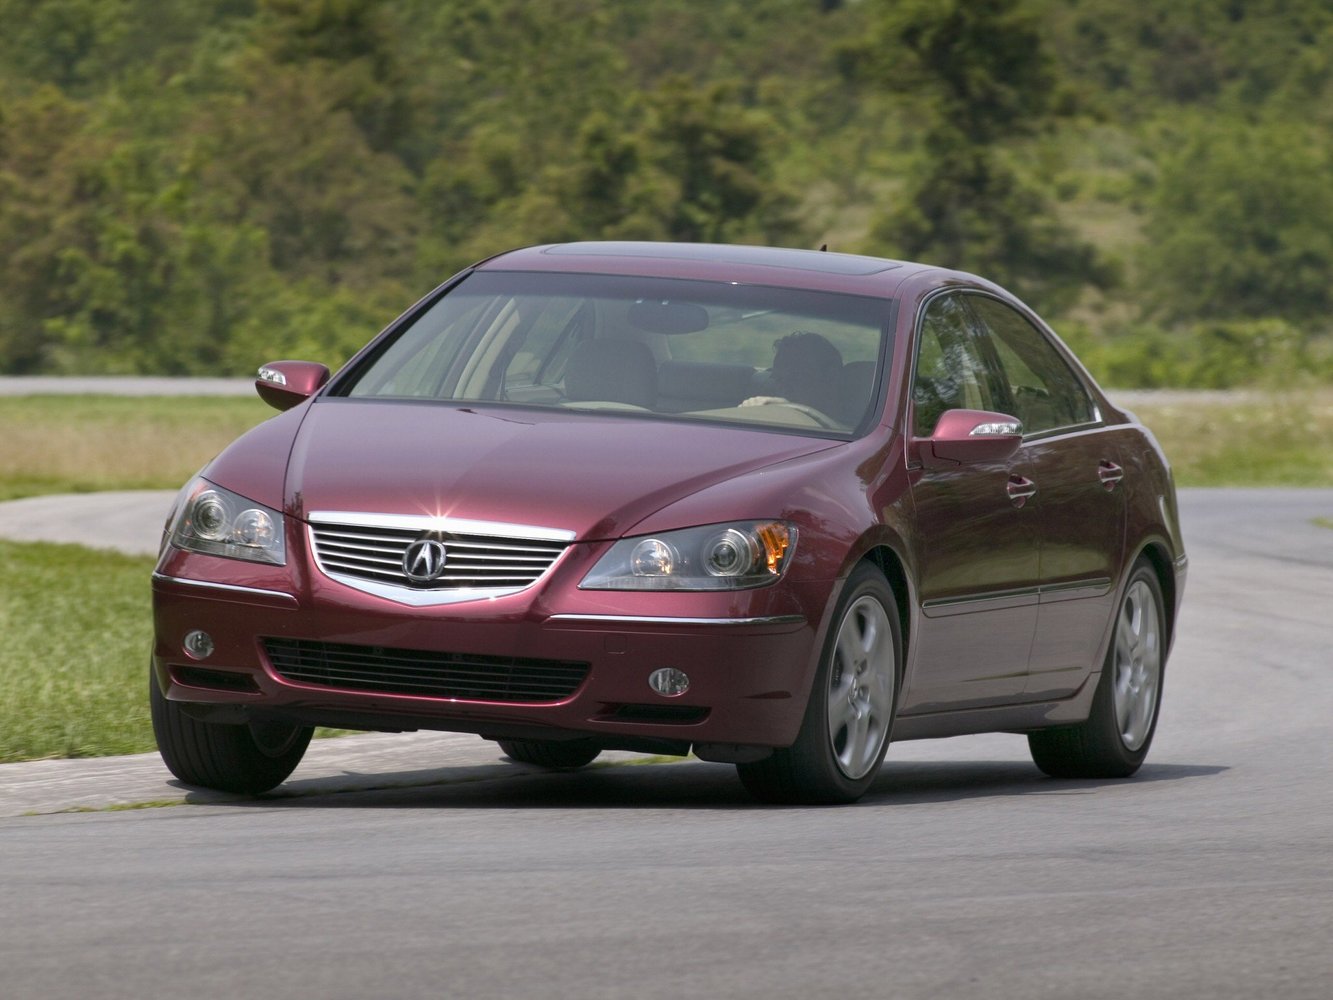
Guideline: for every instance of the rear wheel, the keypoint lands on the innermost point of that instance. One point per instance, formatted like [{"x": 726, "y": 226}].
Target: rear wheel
[
  {"x": 850, "y": 713},
  {"x": 247, "y": 758},
  {"x": 556, "y": 754},
  {"x": 1114, "y": 740}
]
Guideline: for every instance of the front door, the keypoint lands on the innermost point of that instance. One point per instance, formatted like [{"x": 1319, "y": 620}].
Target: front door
[{"x": 976, "y": 537}]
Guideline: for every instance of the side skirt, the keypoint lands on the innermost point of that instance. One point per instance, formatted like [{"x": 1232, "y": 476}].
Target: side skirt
[{"x": 1004, "y": 719}]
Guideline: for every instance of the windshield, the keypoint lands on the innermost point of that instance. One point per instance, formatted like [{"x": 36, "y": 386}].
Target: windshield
[{"x": 795, "y": 360}]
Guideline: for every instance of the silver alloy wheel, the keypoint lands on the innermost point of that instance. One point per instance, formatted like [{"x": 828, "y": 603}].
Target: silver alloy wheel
[
  {"x": 1138, "y": 665},
  {"x": 860, "y": 694}
]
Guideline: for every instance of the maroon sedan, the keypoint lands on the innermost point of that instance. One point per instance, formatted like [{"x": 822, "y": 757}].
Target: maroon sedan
[{"x": 772, "y": 507}]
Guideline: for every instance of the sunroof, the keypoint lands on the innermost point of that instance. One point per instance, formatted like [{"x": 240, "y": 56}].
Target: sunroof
[{"x": 803, "y": 260}]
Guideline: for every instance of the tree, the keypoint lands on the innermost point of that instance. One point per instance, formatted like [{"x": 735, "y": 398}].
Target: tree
[
  {"x": 980, "y": 77},
  {"x": 1241, "y": 225}
]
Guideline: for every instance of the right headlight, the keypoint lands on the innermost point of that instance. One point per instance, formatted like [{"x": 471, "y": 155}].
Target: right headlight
[
  {"x": 222, "y": 523},
  {"x": 733, "y": 556}
]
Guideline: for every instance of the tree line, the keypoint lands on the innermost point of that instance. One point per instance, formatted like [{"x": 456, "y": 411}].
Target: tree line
[{"x": 191, "y": 188}]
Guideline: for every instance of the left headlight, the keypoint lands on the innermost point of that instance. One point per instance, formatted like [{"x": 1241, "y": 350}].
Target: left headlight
[
  {"x": 715, "y": 557},
  {"x": 222, "y": 523}
]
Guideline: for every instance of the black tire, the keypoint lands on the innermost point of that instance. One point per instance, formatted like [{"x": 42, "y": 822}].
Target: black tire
[
  {"x": 1114, "y": 740},
  {"x": 559, "y": 755},
  {"x": 246, "y": 759},
  {"x": 835, "y": 759}
]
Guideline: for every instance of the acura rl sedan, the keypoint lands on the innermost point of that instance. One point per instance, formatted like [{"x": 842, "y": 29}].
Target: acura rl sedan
[{"x": 771, "y": 507}]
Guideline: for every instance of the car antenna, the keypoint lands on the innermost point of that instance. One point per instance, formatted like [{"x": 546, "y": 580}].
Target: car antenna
[{"x": 823, "y": 247}]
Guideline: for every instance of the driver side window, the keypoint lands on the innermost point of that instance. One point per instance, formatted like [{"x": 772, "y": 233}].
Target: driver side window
[{"x": 951, "y": 372}]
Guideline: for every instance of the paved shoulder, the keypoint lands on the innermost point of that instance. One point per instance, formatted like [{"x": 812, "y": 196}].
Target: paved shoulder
[
  {"x": 129, "y": 522},
  {"x": 370, "y": 760}
]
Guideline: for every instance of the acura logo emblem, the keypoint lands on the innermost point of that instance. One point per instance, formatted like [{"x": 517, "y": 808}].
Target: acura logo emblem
[{"x": 424, "y": 560}]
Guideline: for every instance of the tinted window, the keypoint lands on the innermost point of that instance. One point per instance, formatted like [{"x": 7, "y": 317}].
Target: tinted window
[
  {"x": 951, "y": 368},
  {"x": 688, "y": 350},
  {"x": 1045, "y": 392}
]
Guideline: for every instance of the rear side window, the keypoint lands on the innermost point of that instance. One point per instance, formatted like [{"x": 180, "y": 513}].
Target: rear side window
[{"x": 1046, "y": 394}]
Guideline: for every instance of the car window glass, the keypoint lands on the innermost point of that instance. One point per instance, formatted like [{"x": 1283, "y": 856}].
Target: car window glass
[
  {"x": 416, "y": 364},
  {"x": 791, "y": 359},
  {"x": 951, "y": 370},
  {"x": 1045, "y": 391}
]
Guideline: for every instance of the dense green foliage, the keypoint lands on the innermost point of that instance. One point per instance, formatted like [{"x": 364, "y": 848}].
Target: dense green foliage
[{"x": 196, "y": 187}]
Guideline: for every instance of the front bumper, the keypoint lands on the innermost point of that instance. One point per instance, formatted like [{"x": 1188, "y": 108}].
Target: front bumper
[{"x": 750, "y": 655}]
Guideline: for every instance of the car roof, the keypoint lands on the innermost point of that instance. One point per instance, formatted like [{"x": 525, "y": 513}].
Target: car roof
[{"x": 812, "y": 269}]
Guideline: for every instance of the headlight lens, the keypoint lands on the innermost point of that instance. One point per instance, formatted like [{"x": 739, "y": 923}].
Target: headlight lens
[
  {"x": 222, "y": 523},
  {"x": 714, "y": 557}
]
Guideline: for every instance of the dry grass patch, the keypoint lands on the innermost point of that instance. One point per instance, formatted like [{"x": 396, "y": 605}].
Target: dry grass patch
[
  {"x": 79, "y": 444},
  {"x": 1250, "y": 439}
]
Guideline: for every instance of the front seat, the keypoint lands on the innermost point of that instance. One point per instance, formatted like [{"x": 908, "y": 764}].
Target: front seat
[{"x": 615, "y": 370}]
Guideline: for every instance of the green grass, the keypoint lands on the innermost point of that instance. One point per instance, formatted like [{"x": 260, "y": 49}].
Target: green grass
[
  {"x": 1261, "y": 440},
  {"x": 78, "y": 444},
  {"x": 76, "y": 628},
  {"x": 75, "y": 634}
]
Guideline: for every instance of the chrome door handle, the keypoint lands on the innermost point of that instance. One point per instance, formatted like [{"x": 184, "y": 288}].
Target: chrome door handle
[
  {"x": 1020, "y": 490},
  {"x": 1110, "y": 474}
]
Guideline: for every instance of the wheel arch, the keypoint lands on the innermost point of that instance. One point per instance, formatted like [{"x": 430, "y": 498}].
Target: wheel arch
[
  {"x": 888, "y": 562},
  {"x": 1160, "y": 559}
]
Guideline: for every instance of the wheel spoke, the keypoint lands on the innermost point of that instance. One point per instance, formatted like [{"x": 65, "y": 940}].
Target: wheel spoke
[
  {"x": 848, "y": 652},
  {"x": 854, "y": 750},
  {"x": 841, "y": 714}
]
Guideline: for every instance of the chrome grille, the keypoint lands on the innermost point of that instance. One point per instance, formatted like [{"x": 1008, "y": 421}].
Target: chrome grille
[
  {"x": 423, "y": 672},
  {"x": 499, "y": 558}
]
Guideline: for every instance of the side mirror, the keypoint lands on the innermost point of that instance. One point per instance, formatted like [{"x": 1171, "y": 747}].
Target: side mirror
[
  {"x": 283, "y": 384},
  {"x": 968, "y": 437}
]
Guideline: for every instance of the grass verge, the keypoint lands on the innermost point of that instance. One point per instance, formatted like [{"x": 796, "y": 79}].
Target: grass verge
[
  {"x": 79, "y": 444},
  {"x": 75, "y": 632},
  {"x": 76, "y": 627},
  {"x": 1251, "y": 440}
]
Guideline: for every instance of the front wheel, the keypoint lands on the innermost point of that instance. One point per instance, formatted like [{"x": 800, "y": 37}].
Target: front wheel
[
  {"x": 1114, "y": 740},
  {"x": 850, "y": 713},
  {"x": 246, "y": 759}
]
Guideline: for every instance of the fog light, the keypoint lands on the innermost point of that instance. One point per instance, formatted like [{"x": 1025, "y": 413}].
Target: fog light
[
  {"x": 198, "y": 645},
  {"x": 669, "y": 682}
]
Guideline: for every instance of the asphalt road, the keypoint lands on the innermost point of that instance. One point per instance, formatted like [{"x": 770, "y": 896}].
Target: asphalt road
[{"x": 964, "y": 874}]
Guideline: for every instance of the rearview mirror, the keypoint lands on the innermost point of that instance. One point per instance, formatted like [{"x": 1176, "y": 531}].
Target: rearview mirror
[
  {"x": 663, "y": 316},
  {"x": 283, "y": 384},
  {"x": 968, "y": 437}
]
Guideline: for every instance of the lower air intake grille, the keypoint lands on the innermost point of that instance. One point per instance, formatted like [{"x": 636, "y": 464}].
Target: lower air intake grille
[{"x": 419, "y": 672}]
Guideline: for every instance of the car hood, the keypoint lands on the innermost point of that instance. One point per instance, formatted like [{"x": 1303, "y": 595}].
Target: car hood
[{"x": 594, "y": 474}]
